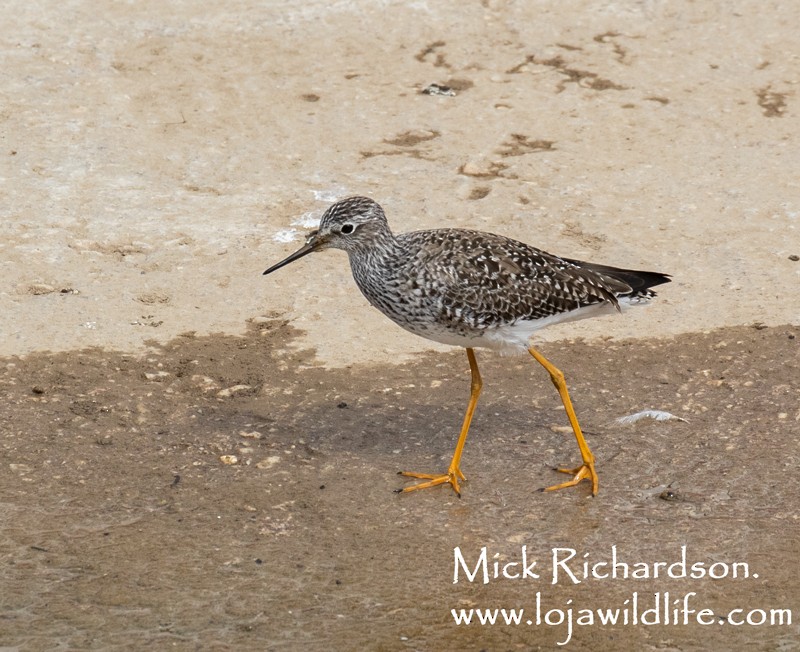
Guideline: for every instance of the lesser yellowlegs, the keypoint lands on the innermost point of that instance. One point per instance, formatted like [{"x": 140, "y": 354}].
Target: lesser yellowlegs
[{"x": 474, "y": 289}]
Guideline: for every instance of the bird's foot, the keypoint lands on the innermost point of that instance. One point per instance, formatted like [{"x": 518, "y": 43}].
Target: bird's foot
[
  {"x": 584, "y": 472},
  {"x": 452, "y": 477}
]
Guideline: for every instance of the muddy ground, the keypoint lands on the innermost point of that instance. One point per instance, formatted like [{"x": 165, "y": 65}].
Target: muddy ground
[
  {"x": 195, "y": 457},
  {"x": 127, "y": 527}
]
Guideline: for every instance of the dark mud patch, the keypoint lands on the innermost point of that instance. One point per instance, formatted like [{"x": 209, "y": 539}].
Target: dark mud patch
[{"x": 147, "y": 503}]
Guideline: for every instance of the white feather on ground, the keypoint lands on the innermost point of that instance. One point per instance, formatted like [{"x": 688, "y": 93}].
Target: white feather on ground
[{"x": 658, "y": 415}]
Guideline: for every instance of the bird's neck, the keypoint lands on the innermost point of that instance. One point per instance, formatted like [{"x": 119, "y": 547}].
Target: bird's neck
[{"x": 376, "y": 263}]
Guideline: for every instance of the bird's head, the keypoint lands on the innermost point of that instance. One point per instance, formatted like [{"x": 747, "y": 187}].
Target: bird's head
[{"x": 350, "y": 224}]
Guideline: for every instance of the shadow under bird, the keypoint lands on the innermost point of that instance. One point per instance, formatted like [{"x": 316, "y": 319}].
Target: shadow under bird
[{"x": 474, "y": 289}]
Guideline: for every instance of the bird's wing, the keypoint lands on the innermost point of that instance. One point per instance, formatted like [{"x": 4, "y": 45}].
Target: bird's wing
[{"x": 490, "y": 278}]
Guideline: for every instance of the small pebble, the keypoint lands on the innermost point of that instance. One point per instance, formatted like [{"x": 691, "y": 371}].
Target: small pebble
[
  {"x": 438, "y": 89},
  {"x": 230, "y": 391}
]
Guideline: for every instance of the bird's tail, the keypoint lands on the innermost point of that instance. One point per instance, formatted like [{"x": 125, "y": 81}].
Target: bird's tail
[{"x": 638, "y": 281}]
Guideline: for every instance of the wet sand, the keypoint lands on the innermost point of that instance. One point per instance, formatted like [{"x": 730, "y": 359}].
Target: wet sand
[{"x": 125, "y": 528}]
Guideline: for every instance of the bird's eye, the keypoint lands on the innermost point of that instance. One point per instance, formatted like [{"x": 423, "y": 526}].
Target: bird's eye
[{"x": 347, "y": 228}]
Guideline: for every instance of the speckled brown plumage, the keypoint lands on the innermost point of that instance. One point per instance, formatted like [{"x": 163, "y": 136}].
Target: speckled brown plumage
[{"x": 469, "y": 288}]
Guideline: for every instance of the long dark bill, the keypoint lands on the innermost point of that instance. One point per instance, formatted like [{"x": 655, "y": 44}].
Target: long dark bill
[{"x": 303, "y": 251}]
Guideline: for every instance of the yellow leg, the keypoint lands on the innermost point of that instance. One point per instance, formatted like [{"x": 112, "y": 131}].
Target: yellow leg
[
  {"x": 454, "y": 473},
  {"x": 585, "y": 470}
]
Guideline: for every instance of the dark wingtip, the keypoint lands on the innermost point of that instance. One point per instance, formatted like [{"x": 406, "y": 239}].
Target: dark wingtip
[{"x": 638, "y": 280}]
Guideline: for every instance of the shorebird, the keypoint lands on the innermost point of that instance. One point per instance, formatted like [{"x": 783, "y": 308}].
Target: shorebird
[{"x": 474, "y": 289}]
